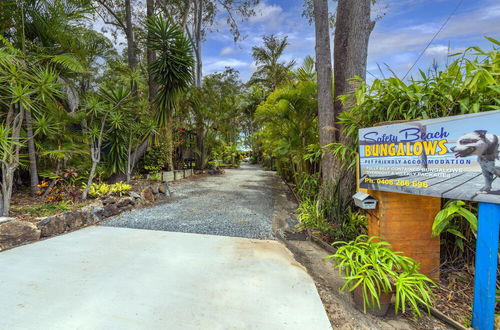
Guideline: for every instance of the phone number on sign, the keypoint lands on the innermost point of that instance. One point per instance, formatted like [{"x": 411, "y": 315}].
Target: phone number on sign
[{"x": 401, "y": 183}]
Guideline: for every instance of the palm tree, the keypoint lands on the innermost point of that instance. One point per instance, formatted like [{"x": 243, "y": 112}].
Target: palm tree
[
  {"x": 271, "y": 73},
  {"x": 171, "y": 70}
]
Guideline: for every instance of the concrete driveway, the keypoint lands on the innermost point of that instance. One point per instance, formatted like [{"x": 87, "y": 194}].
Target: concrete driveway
[{"x": 120, "y": 278}]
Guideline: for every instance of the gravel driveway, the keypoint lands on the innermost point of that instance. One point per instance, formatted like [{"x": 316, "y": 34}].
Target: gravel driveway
[{"x": 238, "y": 203}]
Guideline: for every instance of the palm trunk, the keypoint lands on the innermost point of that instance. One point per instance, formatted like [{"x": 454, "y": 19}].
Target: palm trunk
[{"x": 31, "y": 153}]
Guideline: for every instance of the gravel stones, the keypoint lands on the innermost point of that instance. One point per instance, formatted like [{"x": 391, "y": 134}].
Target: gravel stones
[{"x": 238, "y": 203}]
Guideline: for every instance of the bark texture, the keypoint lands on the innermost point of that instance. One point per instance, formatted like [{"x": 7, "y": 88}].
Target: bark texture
[
  {"x": 326, "y": 114},
  {"x": 31, "y": 153},
  {"x": 352, "y": 32},
  {"x": 150, "y": 56}
]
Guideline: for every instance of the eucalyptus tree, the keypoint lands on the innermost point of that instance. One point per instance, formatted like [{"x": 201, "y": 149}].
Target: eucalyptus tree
[
  {"x": 271, "y": 73},
  {"x": 120, "y": 16},
  {"x": 352, "y": 32},
  {"x": 326, "y": 114},
  {"x": 172, "y": 70}
]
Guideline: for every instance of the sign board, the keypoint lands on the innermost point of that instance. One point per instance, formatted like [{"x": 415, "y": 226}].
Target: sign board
[{"x": 453, "y": 157}]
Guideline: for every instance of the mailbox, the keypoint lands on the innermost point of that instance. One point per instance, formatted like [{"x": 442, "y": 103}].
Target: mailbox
[{"x": 364, "y": 201}]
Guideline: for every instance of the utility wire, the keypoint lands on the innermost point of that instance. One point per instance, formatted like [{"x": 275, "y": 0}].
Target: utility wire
[{"x": 434, "y": 37}]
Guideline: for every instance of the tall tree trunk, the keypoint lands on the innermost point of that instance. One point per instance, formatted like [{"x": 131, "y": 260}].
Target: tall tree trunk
[
  {"x": 150, "y": 56},
  {"x": 131, "y": 56},
  {"x": 170, "y": 139},
  {"x": 198, "y": 18},
  {"x": 200, "y": 142},
  {"x": 326, "y": 114},
  {"x": 31, "y": 153},
  {"x": 352, "y": 32}
]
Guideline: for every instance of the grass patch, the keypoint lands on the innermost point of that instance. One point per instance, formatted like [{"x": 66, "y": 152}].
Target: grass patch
[{"x": 43, "y": 210}]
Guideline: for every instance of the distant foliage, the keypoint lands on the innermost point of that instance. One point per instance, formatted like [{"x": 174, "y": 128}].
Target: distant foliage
[{"x": 465, "y": 86}]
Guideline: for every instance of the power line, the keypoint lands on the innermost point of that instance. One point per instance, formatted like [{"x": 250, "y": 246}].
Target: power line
[{"x": 434, "y": 37}]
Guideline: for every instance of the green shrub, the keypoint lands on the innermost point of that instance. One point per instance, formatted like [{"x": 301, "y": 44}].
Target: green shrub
[
  {"x": 155, "y": 159},
  {"x": 99, "y": 190},
  {"x": 155, "y": 177},
  {"x": 311, "y": 215},
  {"x": 120, "y": 188}
]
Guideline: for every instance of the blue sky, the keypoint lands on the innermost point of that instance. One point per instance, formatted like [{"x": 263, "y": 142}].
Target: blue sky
[{"x": 402, "y": 30}]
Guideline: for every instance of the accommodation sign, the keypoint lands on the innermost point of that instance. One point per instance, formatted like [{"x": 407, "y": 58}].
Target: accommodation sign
[{"x": 452, "y": 157}]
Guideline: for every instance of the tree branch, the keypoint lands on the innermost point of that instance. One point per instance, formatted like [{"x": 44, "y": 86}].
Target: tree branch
[{"x": 112, "y": 13}]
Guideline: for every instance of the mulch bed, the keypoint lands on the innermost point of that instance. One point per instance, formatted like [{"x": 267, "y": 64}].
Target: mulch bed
[{"x": 455, "y": 292}]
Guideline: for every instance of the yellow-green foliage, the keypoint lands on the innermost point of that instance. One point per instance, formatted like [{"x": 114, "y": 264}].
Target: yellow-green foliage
[
  {"x": 99, "y": 189},
  {"x": 104, "y": 189},
  {"x": 120, "y": 188}
]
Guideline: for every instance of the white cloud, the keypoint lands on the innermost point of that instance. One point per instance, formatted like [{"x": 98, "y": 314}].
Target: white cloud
[
  {"x": 437, "y": 50},
  {"x": 470, "y": 25},
  {"x": 265, "y": 13},
  {"x": 212, "y": 65},
  {"x": 227, "y": 51}
]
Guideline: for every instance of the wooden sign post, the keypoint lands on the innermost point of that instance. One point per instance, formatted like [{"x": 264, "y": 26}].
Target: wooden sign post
[{"x": 486, "y": 266}]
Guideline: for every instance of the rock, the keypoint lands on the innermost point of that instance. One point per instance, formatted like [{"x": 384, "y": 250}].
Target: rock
[
  {"x": 126, "y": 201},
  {"x": 163, "y": 188},
  {"x": 108, "y": 211},
  {"x": 109, "y": 200},
  {"x": 51, "y": 226},
  {"x": 94, "y": 215},
  {"x": 75, "y": 219},
  {"x": 13, "y": 233},
  {"x": 5, "y": 219},
  {"x": 134, "y": 195},
  {"x": 155, "y": 189},
  {"x": 147, "y": 195}
]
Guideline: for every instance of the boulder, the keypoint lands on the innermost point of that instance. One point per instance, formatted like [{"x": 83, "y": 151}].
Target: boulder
[
  {"x": 13, "y": 233},
  {"x": 108, "y": 211},
  {"x": 134, "y": 195},
  {"x": 75, "y": 219},
  {"x": 109, "y": 200},
  {"x": 163, "y": 188},
  {"x": 147, "y": 195},
  {"x": 125, "y": 201},
  {"x": 155, "y": 189},
  {"x": 94, "y": 216},
  {"x": 51, "y": 226}
]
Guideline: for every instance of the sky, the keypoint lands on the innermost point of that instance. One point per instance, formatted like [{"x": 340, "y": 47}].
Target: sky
[{"x": 402, "y": 31}]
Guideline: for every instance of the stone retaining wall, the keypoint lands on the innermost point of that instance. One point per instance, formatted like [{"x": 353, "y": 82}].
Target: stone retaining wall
[
  {"x": 168, "y": 176},
  {"x": 14, "y": 232}
]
